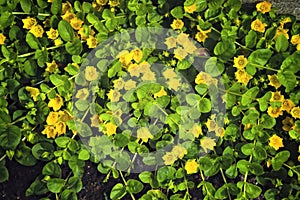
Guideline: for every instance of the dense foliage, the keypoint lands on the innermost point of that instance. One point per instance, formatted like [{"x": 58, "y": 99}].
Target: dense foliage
[{"x": 194, "y": 90}]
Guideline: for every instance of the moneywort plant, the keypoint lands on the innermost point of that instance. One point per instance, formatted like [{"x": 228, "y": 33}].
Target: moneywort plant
[{"x": 69, "y": 96}]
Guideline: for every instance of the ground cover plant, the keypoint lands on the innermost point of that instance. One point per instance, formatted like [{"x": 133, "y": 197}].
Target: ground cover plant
[{"x": 197, "y": 99}]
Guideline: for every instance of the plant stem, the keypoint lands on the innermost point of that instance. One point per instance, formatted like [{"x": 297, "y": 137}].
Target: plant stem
[
  {"x": 225, "y": 181},
  {"x": 22, "y": 13},
  {"x": 32, "y": 53},
  {"x": 125, "y": 183}
]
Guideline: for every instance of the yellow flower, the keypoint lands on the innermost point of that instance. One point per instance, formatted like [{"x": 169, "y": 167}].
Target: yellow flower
[
  {"x": 110, "y": 129},
  {"x": 180, "y": 53},
  {"x": 34, "y": 92},
  {"x": 137, "y": 55},
  {"x": 207, "y": 143},
  {"x": 258, "y": 26},
  {"x": 2, "y": 38},
  {"x": 169, "y": 74},
  {"x": 264, "y": 7},
  {"x": 129, "y": 85},
  {"x": 174, "y": 84},
  {"x": 114, "y": 95},
  {"x": 90, "y": 73},
  {"x": 58, "y": 42},
  {"x": 169, "y": 158},
  {"x": 60, "y": 128},
  {"x": 37, "y": 31},
  {"x": 205, "y": 78},
  {"x": 285, "y": 20},
  {"x": 220, "y": 132},
  {"x": 298, "y": 47},
  {"x": 95, "y": 121},
  {"x": 295, "y": 39},
  {"x": 240, "y": 62},
  {"x": 179, "y": 151},
  {"x": 242, "y": 76},
  {"x": 92, "y": 42},
  {"x": 49, "y": 131},
  {"x": 52, "y": 118},
  {"x": 144, "y": 134},
  {"x": 177, "y": 24},
  {"x": 295, "y": 112},
  {"x": 287, "y": 105},
  {"x": 201, "y": 36},
  {"x": 281, "y": 31},
  {"x": 148, "y": 76},
  {"x": 274, "y": 112},
  {"x": 161, "y": 93},
  {"x": 170, "y": 42},
  {"x": 269, "y": 163},
  {"x": 274, "y": 81},
  {"x": 288, "y": 124},
  {"x": 29, "y": 22},
  {"x": 56, "y": 103},
  {"x": 52, "y": 34},
  {"x": 76, "y": 23},
  {"x": 68, "y": 16},
  {"x": 190, "y": 9},
  {"x": 82, "y": 94},
  {"x": 64, "y": 116},
  {"x": 277, "y": 97},
  {"x": 182, "y": 38},
  {"x": 196, "y": 130},
  {"x": 211, "y": 125},
  {"x": 114, "y": 3},
  {"x": 119, "y": 84},
  {"x": 51, "y": 67},
  {"x": 275, "y": 142},
  {"x": 125, "y": 57},
  {"x": 66, "y": 7},
  {"x": 191, "y": 166},
  {"x": 102, "y": 2}
]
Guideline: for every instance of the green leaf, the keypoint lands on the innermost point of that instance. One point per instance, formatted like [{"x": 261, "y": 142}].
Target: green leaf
[
  {"x": 177, "y": 12},
  {"x": 264, "y": 101},
  {"x": 56, "y": 79},
  {"x": 279, "y": 159},
  {"x": 52, "y": 169},
  {"x": 247, "y": 149},
  {"x": 3, "y": 173},
  {"x": 6, "y": 19},
  {"x": 32, "y": 41},
  {"x": 25, "y": 157},
  {"x": 10, "y": 137},
  {"x": 121, "y": 140},
  {"x": 259, "y": 153},
  {"x": 84, "y": 154},
  {"x": 43, "y": 151},
  {"x": 215, "y": 4},
  {"x": 145, "y": 177},
  {"x": 134, "y": 186},
  {"x": 55, "y": 185},
  {"x": 201, "y": 88},
  {"x": 243, "y": 166},
  {"x": 260, "y": 56},
  {"x": 74, "y": 47},
  {"x": 165, "y": 173},
  {"x": 82, "y": 105},
  {"x": 288, "y": 80},
  {"x": 56, "y": 7},
  {"x": 65, "y": 31},
  {"x": 26, "y": 5},
  {"x": 213, "y": 67},
  {"x": 192, "y": 99},
  {"x": 282, "y": 43},
  {"x": 183, "y": 64},
  {"x": 205, "y": 105},
  {"x": 249, "y": 96},
  {"x": 68, "y": 195},
  {"x": 251, "y": 39},
  {"x": 62, "y": 141},
  {"x": 118, "y": 191},
  {"x": 267, "y": 121},
  {"x": 74, "y": 183},
  {"x": 256, "y": 169},
  {"x": 252, "y": 191},
  {"x": 30, "y": 67},
  {"x": 84, "y": 129},
  {"x": 291, "y": 63}
]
